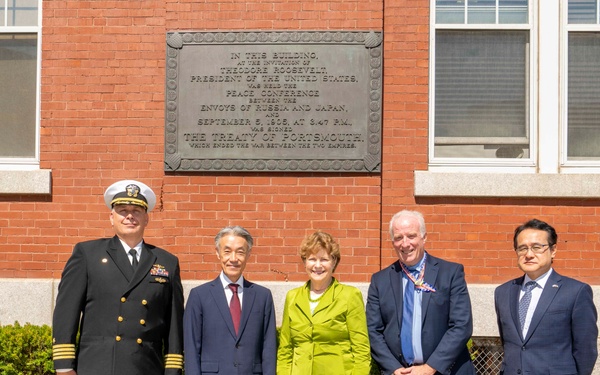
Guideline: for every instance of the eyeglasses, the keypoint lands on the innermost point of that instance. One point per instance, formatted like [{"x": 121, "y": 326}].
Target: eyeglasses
[{"x": 536, "y": 249}]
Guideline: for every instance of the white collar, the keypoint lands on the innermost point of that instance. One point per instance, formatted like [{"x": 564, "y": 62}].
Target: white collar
[
  {"x": 541, "y": 281},
  {"x": 225, "y": 281},
  {"x": 137, "y": 248}
]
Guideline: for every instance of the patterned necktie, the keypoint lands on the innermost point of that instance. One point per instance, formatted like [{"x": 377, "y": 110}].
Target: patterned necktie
[
  {"x": 407, "y": 322},
  {"x": 524, "y": 303},
  {"x": 134, "y": 261},
  {"x": 235, "y": 307}
]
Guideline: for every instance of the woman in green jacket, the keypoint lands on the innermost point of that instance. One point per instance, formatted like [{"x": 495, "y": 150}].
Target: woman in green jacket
[{"x": 324, "y": 327}]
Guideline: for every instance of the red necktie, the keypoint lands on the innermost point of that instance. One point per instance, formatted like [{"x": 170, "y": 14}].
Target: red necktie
[{"x": 235, "y": 308}]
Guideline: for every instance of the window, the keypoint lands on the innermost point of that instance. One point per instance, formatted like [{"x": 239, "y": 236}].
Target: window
[
  {"x": 20, "y": 31},
  {"x": 481, "y": 73},
  {"x": 583, "y": 82},
  {"x": 495, "y": 96},
  {"x": 514, "y": 99}
]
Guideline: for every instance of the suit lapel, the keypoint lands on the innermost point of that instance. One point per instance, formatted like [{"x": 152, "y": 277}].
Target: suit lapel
[
  {"x": 431, "y": 274},
  {"x": 550, "y": 289},
  {"x": 301, "y": 301},
  {"x": 218, "y": 294},
  {"x": 397, "y": 289},
  {"x": 327, "y": 299},
  {"x": 117, "y": 254},
  {"x": 248, "y": 298},
  {"x": 147, "y": 259},
  {"x": 513, "y": 303}
]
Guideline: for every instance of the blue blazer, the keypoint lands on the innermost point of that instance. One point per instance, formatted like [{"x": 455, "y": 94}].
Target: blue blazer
[
  {"x": 210, "y": 343},
  {"x": 447, "y": 318},
  {"x": 562, "y": 335}
]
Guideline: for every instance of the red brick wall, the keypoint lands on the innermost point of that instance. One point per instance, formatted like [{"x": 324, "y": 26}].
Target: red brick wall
[{"x": 102, "y": 119}]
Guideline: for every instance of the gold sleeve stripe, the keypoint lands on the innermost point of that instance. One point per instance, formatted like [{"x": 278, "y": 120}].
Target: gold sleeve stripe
[
  {"x": 63, "y": 351},
  {"x": 179, "y": 356},
  {"x": 56, "y": 357},
  {"x": 60, "y": 346},
  {"x": 174, "y": 361}
]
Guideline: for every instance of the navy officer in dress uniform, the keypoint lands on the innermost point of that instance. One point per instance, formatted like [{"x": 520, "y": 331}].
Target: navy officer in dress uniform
[{"x": 123, "y": 296}]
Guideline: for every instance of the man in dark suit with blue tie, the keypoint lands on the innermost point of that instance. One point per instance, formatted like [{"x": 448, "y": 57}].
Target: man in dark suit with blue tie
[
  {"x": 547, "y": 322},
  {"x": 229, "y": 323},
  {"x": 418, "y": 309}
]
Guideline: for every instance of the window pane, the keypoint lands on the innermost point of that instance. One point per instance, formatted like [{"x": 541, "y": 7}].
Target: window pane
[
  {"x": 582, "y": 11},
  {"x": 18, "y": 61},
  {"x": 481, "y": 11},
  {"x": 22, "y": 13},
  {"x": 450, "y": 11},
  {"x": 584, "y": 96},
  {"x": 513, "y": 11},
  {"x": 481, "y": 94}
]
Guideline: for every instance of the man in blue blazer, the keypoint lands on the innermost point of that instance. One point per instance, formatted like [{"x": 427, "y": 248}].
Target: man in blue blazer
[
  {"x": 418, "y": 309},
  {"x": 547, "y": 322},
  {"x": 229, "y": 323}
]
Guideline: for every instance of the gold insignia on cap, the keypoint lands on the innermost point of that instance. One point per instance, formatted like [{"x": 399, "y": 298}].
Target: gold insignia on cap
[{"x": 132, "y": 190}]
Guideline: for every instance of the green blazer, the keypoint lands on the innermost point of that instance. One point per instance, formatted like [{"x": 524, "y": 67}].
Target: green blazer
[{"x": 333, "y": 341}]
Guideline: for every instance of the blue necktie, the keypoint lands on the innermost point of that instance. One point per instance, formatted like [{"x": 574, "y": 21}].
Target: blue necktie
[
  {"x": 407, "y": 319},
  {"x": 524, "y": 303}
]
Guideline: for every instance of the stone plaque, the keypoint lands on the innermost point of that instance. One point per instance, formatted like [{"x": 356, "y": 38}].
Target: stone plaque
[{"x": 273, "y": 101}]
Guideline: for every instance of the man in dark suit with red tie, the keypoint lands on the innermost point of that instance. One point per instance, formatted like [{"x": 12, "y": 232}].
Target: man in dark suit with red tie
[
  {"x": 229, "y": 323},
  {"x": 122, "y": 295},
  {"x": 547, "y": 322}
]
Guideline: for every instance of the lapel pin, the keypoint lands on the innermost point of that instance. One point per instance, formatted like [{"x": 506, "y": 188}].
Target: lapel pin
[
  {"x": 104, "y": 260},
  {"x": 554, "y": 286}
]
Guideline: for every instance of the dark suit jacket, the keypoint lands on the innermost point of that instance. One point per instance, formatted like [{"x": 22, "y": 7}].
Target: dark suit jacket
[
  {"x": 562, "y": 335},
  {"x": 211, "y": 345},
  {"x": 447, "y": 320},
  {"x": 128, "y": 322}
]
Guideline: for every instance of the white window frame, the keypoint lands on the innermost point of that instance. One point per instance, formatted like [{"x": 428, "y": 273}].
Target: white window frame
[
  {"x": 23, "y": 175},
  {"x": 572, "y": 166},
  {"x": 547, "y": 173},
  {"x": 31, "y": 163},
  {"x": 481, "y": 164}
]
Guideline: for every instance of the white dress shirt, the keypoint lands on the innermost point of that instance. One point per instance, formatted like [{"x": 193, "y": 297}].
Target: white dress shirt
[
  {"x": 536, "y": 293},
  {"x": 228, "y": 293},
  {"x": 137, "y": 248}
]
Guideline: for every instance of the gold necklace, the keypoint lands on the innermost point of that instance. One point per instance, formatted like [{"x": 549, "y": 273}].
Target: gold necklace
[
  {"x": 315, "y": 300},
  {"x": 319, "y": 297}
]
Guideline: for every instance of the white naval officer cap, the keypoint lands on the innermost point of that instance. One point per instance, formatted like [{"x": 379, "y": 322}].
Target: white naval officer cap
[{"x": 130, "y": 192}]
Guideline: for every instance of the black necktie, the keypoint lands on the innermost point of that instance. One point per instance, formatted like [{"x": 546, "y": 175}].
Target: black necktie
[{"x": 134, "y": 261}]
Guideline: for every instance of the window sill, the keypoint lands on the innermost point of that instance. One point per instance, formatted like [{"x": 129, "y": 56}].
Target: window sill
[
  {"x": 26, "y": 182},
  {"x": 523, "y": 185}
]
